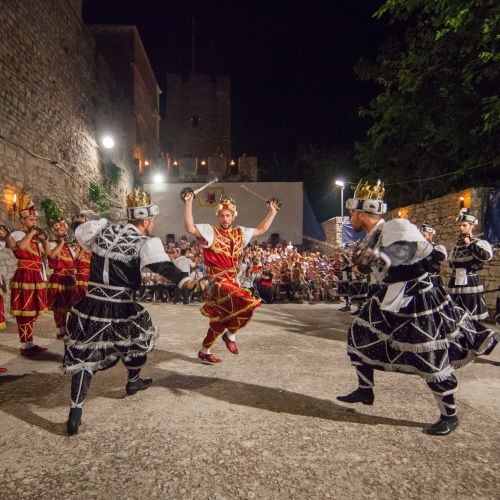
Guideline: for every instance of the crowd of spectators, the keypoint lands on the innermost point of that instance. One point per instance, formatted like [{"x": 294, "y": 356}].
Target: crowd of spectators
[{"x": 275, "y": 273}]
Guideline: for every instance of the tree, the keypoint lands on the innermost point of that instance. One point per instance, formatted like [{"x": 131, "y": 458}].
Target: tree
[{"x": 438, "y": 112}]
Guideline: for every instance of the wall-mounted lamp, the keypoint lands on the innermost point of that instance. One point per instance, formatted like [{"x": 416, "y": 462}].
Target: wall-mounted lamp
[
  {"x": 11, "y": 201},
  {"x": 462, "y": 202}
]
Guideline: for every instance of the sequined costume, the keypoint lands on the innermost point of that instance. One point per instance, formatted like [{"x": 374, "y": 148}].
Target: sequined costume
[{"x": 227, "y": 304}]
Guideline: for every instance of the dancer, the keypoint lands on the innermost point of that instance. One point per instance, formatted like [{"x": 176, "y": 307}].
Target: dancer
[
  {"x": 228, "y": 306},
  {"x": 28, "y": 291},
  {"x": 107, "y": 325},
  {"x": 437, "y": 257},
  {"x": 61, "y": 285},
  {"x": 82, "y": 262},
  {"x": 409, "y": 325},
  {"x": 467, "y": 257},
  {"x": 4, "y": 232}
]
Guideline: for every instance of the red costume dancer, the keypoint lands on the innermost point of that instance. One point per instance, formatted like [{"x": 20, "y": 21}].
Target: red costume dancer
[
  {"x": 82, "y": 264},
  {"x": 227, "y": 304},
  {"x": 28, "y": 293},
  {"x": 61, "y": 286},
  {"x": 3, "y": 235}
]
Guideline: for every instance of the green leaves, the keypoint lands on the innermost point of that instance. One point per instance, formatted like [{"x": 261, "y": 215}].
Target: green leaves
[
  {"x": 98, "y": 196},
  {"x": 438, "y": 110},
  {"x": 52, "y": 211}
]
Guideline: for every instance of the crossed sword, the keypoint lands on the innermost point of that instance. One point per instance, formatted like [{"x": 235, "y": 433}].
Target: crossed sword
[{"x": 213, "y": 181}]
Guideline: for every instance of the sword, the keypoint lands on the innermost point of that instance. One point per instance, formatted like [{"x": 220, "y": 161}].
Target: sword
[
  {"x": 260, "y": 197},
  {"x": 187, "y": 190}
]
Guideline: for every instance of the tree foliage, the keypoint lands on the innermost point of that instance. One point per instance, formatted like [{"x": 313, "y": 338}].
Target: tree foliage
[{"x": 439, "y": 109}]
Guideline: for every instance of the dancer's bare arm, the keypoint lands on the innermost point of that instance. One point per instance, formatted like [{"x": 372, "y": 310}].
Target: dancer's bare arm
[{"x": 188, "y": 216}]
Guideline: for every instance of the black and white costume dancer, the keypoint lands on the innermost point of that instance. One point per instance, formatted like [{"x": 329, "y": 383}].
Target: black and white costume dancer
[
  {"x": 107, "y": 325},
  {"x": 409, "y": 325},
  {"x": 466, "y": 258},
  {"x": 439, "y": 254}
]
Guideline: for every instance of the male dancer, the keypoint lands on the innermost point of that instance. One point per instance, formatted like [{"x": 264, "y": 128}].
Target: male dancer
[
  {"x": 227, "y": 305},
  {"x": 467, "y": 257},
  {"x": 107, "y": 325},
  {"x": 61, "y": 286},
  {"x": 438, "y": 255},
  {"x": 3, "y": 235},
  {"x": 409, "y": 325},
  {"x": 28, "y": 292}
]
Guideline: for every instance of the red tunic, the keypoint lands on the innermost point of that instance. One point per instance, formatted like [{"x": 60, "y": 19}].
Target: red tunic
[
  {"x": 61, "y": 287},
  {"x": 28, "y": 292},
  {"x": 2, "y": 312},
  {"x": 82, "y": 275},
  {"x": 225, "y": 301}
]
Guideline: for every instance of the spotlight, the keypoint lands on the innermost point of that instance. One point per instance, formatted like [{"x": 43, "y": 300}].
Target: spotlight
[
  {"x": 158, "y": 178},
  {"x": 108, "y": 142}
]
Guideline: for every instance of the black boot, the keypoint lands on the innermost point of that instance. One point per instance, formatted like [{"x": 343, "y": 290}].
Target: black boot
[
  {"x": 443, "y": 426},
  {"x": 140, "y": 384},
  {"x": 346, "y": 308},
  {"x": 74, "y": 421},
  {"x": 360, "y": 395}
]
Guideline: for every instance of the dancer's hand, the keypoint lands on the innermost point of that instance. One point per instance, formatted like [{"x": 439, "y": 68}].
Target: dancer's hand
[
  {"x": 189, "y": 197},
  {"x": 274, "y": 205}
]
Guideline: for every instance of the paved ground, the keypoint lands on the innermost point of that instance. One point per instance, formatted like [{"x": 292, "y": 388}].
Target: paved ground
[{"x": 264, "y": 424}]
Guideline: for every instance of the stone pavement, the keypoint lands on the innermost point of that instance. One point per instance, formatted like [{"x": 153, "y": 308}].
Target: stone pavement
[{"x": 264, "y": 424}]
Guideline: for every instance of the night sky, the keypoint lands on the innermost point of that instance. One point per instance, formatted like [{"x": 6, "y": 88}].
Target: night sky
[{"x": 291, "y": 62}]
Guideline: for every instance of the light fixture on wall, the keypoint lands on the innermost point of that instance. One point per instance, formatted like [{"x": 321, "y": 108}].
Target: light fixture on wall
[
  {"x": 11, "y": 202},
  {"x": 462, "y": 202}
]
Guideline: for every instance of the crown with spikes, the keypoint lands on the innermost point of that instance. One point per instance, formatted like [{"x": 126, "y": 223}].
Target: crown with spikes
[
  {"x": 226, "y": 203},
  {"x": 26, "y": 206},
  {"x": 138, "y": 198},
  {"x": 368, "y": 198},
  {"x": 366, "y": 192},
  {"x": 139, "y": 205}
]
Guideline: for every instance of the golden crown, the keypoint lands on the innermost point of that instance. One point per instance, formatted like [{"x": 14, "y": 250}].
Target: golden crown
[
  {"x": 25, "y": 202},
  {"x": 226, "y": 203},
  {"x": 138, "y": 198},
  {"x": 365, "y": 191}
]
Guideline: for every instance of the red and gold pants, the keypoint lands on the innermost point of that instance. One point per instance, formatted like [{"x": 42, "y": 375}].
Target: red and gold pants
[{"x": 228, "y": 306}]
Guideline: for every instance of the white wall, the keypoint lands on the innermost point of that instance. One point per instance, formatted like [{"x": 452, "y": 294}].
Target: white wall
[{"x": 288, "y": 222}]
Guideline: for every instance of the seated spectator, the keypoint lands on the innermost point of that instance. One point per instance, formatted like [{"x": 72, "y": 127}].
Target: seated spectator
[{"x": 265, "y": 287}]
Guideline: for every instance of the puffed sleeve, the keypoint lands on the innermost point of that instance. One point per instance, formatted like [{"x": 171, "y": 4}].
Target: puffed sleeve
[
  {"x": 481, "y": 249},
  {"x": 152, "y": 251},
  {"x": 86, "y": 232},
  {"x": 207, "y": 231},
  {"x": 247, "y": 234},
  {"x": 440, "y": 253},
  {"x": 17, "y": 235}
]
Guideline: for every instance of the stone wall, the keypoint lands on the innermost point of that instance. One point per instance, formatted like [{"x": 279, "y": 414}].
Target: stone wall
[
  {"x": 441, "y": 213},
  {"x": 198, "y": 115},
  {"x": 56, "y": 97},
  {"x": 333, "y": 232}
]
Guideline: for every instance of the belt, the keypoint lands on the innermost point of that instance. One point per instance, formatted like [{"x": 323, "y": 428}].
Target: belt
[{"x": 32, "y": 265}]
